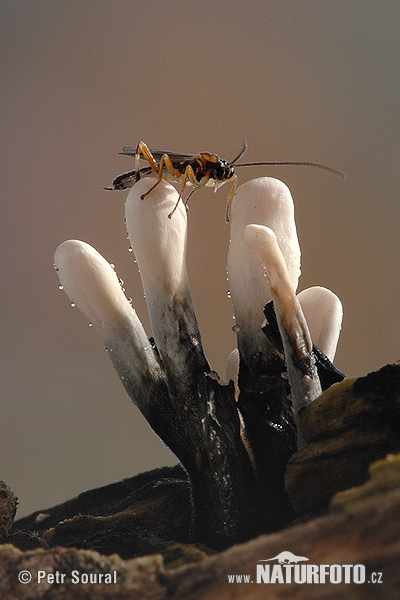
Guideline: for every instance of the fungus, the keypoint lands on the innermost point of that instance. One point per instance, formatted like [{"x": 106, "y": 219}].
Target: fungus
[
  {"x": 265, "y": 201},
  {"x": 297, "y": 345},
  {"x": 91, "y": 282},
  {"x": 159, "y": 246},
  {"x": 234, "y": 446},
  {"x": 324, "y": 313}
]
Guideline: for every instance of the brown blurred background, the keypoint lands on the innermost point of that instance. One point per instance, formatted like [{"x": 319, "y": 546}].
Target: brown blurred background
[{"x": 306, "y": 80}]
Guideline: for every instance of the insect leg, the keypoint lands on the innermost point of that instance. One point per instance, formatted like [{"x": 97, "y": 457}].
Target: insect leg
[
  {"x": 188, "y": 175},
  {"x": 229, "y": 200},
  {"x": 143, "y": 149},
  {"x": 198, "y": 187},
  {"x": 165, "y": 162}
]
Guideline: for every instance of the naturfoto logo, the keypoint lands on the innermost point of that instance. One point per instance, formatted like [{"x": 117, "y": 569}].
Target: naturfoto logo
[
  {"x": 291, "y": 569},
  {"x": 285, "y": 558}
]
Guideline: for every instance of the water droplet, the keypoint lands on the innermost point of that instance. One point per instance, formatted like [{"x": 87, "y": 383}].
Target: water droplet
[
  {"x": 130, "y": 249},
  {"x": 236, "y": 328},
  {"x": 129, "y": 300},
  {"x": 229, "y": 294},
  {"x": 135, "y": 260},
  {"x": 105, "y": 349},
  {"x": 61, "y": 287},
  {"x": 54, "y": 267},
  {"x": 112, "y": 266},
  {"x": 90, "y": 324},
  {"x": 72, "y": 304}
]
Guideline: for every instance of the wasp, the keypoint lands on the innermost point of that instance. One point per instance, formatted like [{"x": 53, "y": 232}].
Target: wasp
[{"x": 200, "y": 170}]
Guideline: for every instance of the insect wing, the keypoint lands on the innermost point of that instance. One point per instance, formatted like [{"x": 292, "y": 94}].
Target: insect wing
[
  {"x": 157, "y": 154},
  {"x": 128, "y": 150}
]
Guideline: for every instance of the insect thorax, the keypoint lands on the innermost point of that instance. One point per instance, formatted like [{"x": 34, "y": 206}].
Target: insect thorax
[{"x": 207, "y": 166}]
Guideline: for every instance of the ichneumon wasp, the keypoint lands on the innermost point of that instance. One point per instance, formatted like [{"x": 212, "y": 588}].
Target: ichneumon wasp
[{"x": 204, "y": 169}]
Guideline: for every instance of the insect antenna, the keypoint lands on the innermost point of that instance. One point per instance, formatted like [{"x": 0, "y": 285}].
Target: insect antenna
[
  {"x": 243, "y": 148},
  {"x": 290, "y": 163}
]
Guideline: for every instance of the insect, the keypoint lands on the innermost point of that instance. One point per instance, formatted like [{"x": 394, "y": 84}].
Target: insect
[{"x": 200, "y": 170}]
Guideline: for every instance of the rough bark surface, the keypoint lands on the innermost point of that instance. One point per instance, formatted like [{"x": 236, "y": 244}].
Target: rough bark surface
[
  {"x": 367, "y": 534},
  {"x": 134, "y": 535}
]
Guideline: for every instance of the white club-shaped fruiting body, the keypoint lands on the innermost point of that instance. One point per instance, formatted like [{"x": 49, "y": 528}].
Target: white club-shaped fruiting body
[
  {"x": 264, "y": 201},
  {"x": 264, "y": 265},
  {"x": 91, "y": 282},
  {"x": 158, "y": 242},
  {"x": 324, "y": 314},
  {"x": 159, "y": 245},
  {"x": 297, "y": 344}
]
